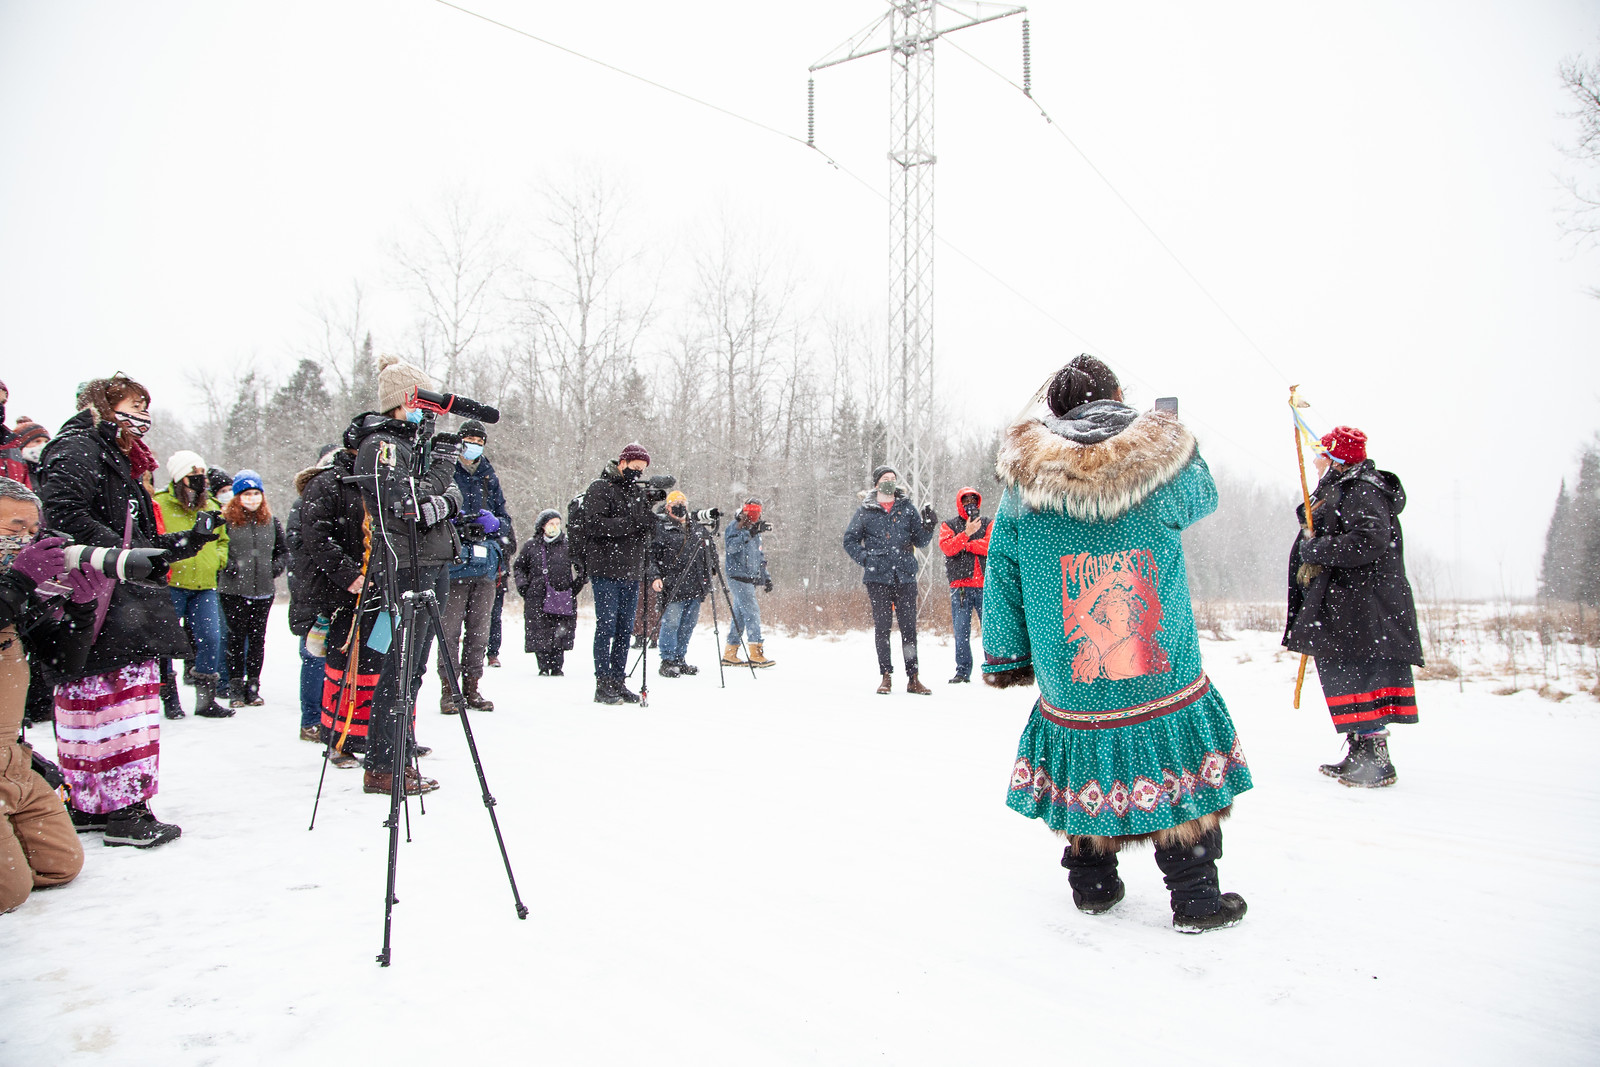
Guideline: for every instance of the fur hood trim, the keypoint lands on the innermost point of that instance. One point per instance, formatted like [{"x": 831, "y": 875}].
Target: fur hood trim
[{"x": 1094, "y": 482}]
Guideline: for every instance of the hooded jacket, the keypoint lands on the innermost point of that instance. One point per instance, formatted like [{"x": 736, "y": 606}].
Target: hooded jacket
[
  {"x": 1358, "y": 603},
  {"x": 542, "y": 566},
  {"x": 963, "y": 555},
  {"x": 884, "y": 540},
  {"x": 615, "y": 525},
  {"x": 327, "y": 541},
  {"x": 383, "y": 448}
]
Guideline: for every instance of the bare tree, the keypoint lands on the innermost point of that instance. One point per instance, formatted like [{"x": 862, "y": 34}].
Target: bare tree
[
  {"x": 1580, "y": 77},
  {"x": 452, "y": 267}
]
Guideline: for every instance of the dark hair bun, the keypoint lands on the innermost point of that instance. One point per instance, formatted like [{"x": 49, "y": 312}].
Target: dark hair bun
[{"x": 1080, "y": 381}]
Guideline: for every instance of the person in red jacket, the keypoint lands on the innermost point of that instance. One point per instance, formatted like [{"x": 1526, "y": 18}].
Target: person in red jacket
[{"x": 964, "y": 540}]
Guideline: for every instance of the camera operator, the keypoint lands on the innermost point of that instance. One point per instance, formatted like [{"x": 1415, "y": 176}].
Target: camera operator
[
  {"x": 615, "y": 524},
  {"x": 93, "y": 491},
  {"x": 38, "y": 846},
  {"x": 384, "y": 442},
  {"x": 485, "y": 532},
  {"x": 681, "y": 554},
  {"x": 746, "y": 567},
  {"x": 964, "y": 540}
]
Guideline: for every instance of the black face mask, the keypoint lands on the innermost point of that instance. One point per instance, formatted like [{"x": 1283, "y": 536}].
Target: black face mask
[
  {"x": 677, "y": 513},
  {"x": 629, "y": 474}
]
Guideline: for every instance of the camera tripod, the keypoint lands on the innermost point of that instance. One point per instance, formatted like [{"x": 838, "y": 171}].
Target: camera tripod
[
  {"x": 419, "y": 619},
  {"x": 703, "y": 544}
]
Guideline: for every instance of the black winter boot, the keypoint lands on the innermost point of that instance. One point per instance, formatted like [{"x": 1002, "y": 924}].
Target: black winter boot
[
  {"x": 252, "y": 692},
  {"x": 1190, "y": 872},
  {"x": 171, "y": 705},
  {"x": 668, "y": 669},
  {"x": 136, "y": 826},
  {"x": 1096, "y": 889},
  {"x": 84, "y": 822},
  {"x": 205, "y": 697},
  {"x": 687, "y": 668},
  {"x": 1372, "y": 769},
  {"x": 605, "y": 691},
  {"x": 620, "y": 687},
  {"x": 1334, "y": 770}
]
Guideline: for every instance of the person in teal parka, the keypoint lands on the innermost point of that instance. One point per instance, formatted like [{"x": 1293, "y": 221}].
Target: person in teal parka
[{"x": 1087, "y": 593}]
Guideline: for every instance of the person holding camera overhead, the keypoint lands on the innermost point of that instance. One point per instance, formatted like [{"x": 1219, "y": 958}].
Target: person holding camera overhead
[
  {"x": 384, "y": 442},
  {"x": 614, "y": 526},
  {"x": 485, "y": 532},
  {"x": 683, "y": 578},
  {"x": 109, "y": 711},
  {"x": 186, "y": 504},
  {"x": 746, "y": 566},
  {"x": 883, "y": 536}
]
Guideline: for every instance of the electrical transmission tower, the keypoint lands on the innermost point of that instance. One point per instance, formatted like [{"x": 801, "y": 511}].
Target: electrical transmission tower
[{"x": 912, "y": 27}]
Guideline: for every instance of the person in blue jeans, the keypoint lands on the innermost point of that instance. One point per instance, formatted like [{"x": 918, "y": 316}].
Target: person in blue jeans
[
  {"x": 192, "y": 583},
  {"x": 964, "y": 540},
  {"x": 611, "y": 538},
  {"x": 746, "y": 567},
  {"x": 681, "y": 552}
]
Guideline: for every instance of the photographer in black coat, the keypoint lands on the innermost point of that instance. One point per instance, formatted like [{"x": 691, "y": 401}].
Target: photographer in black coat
[
  {"x": 1350, "y": 605},
  {"x": 681, "y": 555},
  {"x": 613, "y": 526}
]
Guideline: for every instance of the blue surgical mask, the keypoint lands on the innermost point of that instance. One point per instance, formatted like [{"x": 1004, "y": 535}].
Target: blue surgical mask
[
  {"x": 470, "y": 453},
  {"x": 414, "y": 416}
]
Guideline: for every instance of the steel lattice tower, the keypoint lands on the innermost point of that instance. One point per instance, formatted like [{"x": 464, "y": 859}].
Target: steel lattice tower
[{"x": 912, "y": 27}]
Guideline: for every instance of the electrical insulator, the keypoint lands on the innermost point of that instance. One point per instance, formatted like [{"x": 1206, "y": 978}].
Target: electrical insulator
[
  {"x": 1027, "y": 61},
  {"x": 811, "y": 112}
]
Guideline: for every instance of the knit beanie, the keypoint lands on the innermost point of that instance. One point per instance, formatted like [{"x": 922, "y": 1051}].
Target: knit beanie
[
  {"x": 1345, "y": 444},
  {"x": 27, "y": 432},
  {"x": 634, "y": 451},
  {"x": 182, "y": 463},
  {"x": 879, "y": 472},
  {"x": 396, "y": 381},
  {"x": 473, "y": 428},
  {"x": 246, "y": 480}
]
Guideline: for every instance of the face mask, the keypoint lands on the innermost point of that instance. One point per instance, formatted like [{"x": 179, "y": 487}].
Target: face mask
[
  {"x": 470, "y": 453},
  {"x": 10, "y": 545},
  {"x": 887, "y": 488},
  {"x": 194, "y": 483},
  {"x": 552, "y": 532},
  {"x": 676, "y": 512},
  {"x": 250, "y": 501},
  {"x": 630, "y": 474},
  {"x": 414, "y": 416},
  {"x": 32, "y": 453},
  {"x": 136, "y": 423}
]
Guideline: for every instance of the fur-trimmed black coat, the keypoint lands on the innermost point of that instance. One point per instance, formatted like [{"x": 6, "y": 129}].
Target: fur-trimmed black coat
[
  {"x": 327, "y": 549},
  {"x": 1356, "y": 602}
]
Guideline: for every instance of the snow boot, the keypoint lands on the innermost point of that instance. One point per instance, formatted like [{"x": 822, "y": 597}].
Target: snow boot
[
  {"x": 759, "y": 658},
  {"x": 913, "y": 685},
  {"x": 476, "y": 700},
  {"x": 958, "y": 679},
  {"x": 605, "y": 692},
  {"x": 731, "y": 657},
  {"x": 188, "y": 672},
  {"x": 383, "y": 782},
  {"x": 685, "y": 668},
  {"x": 1372, "y": 768},
  {"x": 310, "y": 733},
  {"x": 205, "y": 698},
  {"x": 669, "y": 669},
  {"x": 1096, "y": 888},
  {"x": 1334, "y": 770},
  {"x": 493, "y": 661},
  {"x": 136, "y": 826},
  {"x": 84, "y": 822},
  {"x": 171, "y": 705},
  {"x": 252, "y": 692},
  {"x": 447, "y": 700},
  {"x": 621, "y": 689},
  {"x": 887, "y": 685},
  {"x": 1190, "y": 872}
]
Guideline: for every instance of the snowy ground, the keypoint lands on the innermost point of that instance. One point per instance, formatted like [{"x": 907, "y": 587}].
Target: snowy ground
[{"x": 795, "y": 870}]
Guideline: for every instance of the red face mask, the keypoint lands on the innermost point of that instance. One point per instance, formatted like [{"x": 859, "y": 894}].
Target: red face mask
[{"x": 752, "y": 513}]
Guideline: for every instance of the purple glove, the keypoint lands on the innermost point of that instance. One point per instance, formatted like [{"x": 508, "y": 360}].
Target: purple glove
[
  {"x": 42, "y": 560},
  {"x": 489, "y": 521},
  {"x": 88, "y": 584}
]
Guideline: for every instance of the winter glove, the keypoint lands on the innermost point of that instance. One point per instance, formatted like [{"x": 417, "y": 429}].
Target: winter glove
[
  {"x": 488, "y": 521},
  {"x": 929, "y": 516},
  {"x": 434, "y": 510},
  {"x": 42, "y": 560},
  {"x": 767, "y": 585},
  {"x": 761, "y": 527},
  {"x": 88, "y": 584},
  {"x": 1008, "y": 679}
]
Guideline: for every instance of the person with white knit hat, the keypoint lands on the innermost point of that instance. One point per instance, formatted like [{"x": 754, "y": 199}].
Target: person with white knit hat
[{"x": 192, "y": 583}]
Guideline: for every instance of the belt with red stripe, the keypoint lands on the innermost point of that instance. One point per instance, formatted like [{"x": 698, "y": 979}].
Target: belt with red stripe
[{"x": 1153, "y": 709}]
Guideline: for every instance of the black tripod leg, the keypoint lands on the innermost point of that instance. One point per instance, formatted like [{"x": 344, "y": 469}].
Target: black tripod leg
[
  {"x": 431, "y": 607},
  {"x": 397, "y": 771}
]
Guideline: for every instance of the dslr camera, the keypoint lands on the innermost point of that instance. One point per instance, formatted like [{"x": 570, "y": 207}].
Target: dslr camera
[
  {"x": 655, "y": 486},
  {"x": 706, "y": 516}
]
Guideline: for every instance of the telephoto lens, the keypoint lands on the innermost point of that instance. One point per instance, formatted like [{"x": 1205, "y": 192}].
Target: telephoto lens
[
  {"x": 123, "y": 564},
  {"x": 706, "y": 516}
]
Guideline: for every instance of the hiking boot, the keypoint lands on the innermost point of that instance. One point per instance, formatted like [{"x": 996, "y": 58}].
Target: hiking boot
[
  {"x": 687, "y": 668},
  {"x": 731, "y": 657},
  {"x": 205, "y": 698},
  {"x": 447, "y": 703},
  {"x": 343, "y": 760},
  {"x": 887, "y": 685},
  {"x": 669, "y": 669},
  {"x": 252, "y": 692},
  {"x": 421, "y": 750},
  {"x": 759, "y": 658},
  {"x": 958, "y": 679},
  {"x": 310, "y": 733},
  {"x": 913, "y": 685},
  {"x": 137, "y": 827},
  {"x": 86, "y": 823},
  {"x": 605, "y": 692},
  {"x": 1230, "y": 909},
  {"x": 621, "y": 689},
  {"x": 383, "y": 782},
  {"x": 493, "y": 661},
  {"x": 476, "y": 700},
  {"x": 1334, "y": 770},
  {"x": 1372, "y": 769}
]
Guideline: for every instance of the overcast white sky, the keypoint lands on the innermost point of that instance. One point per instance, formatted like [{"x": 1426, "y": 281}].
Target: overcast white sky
[{"x": 1369, "y": 188}]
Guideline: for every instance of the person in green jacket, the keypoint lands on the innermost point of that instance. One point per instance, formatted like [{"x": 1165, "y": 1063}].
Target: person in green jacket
[
  {"x": 192, "y": 583},
  {"x": 1086, "y": 591}
]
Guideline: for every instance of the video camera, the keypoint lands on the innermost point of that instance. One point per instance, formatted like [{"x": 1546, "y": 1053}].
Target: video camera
[{"x": 655, "y": 487}]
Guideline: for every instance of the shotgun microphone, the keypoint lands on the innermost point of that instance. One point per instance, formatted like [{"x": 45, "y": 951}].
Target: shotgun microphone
[{"x": 450, "y": 404}]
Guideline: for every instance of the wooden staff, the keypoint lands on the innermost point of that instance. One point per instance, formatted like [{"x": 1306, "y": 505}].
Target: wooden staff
[{"x": 1305, "y": 492}]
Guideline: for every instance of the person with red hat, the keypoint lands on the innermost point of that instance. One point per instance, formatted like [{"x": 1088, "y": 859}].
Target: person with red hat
[
  {"x": 746, "y": 567},
  {"x": 1351, "y": 608}
]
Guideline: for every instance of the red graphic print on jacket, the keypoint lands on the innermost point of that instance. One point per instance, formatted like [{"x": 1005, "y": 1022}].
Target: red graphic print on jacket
[{"x": 1114, "y": 615}]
